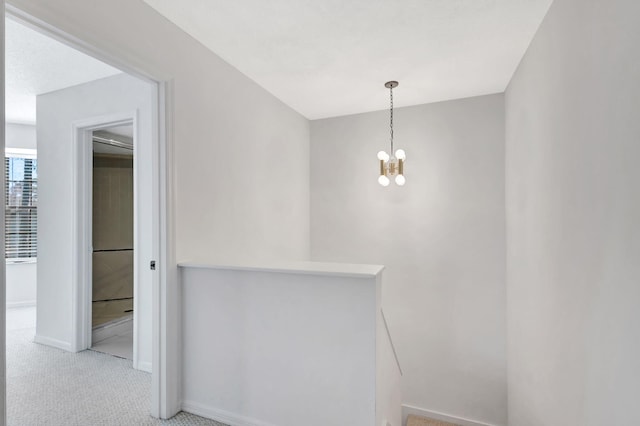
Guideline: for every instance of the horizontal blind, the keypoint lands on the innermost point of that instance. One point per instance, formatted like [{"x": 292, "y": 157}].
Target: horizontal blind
[{"x": 21, "y": 211}]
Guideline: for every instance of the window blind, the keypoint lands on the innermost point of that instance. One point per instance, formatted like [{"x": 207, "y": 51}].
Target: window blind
[{"x": 21, "y": 211}]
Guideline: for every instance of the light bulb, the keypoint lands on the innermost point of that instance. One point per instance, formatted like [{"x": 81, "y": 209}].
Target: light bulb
[
  {"x": 401, "y": 155},
  {"x": 383, "y": 180},
  {"x": 400, "y": 180},
  {"x": 383, "y": 156}
]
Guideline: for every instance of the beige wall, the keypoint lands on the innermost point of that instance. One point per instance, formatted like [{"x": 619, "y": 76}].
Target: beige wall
[
  {"x": 112, "y": 202},
  {"x": 112, "y": 226}
]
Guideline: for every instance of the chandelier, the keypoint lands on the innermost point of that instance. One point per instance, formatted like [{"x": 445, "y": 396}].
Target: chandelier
[{"x": 391, "y": 164}]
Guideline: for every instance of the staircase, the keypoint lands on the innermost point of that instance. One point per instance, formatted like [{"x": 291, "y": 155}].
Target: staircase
[{"x": 423, "y": 421}]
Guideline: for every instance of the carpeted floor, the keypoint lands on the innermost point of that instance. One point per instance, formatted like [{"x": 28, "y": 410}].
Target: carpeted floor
[{"x": 47, "y": 386}]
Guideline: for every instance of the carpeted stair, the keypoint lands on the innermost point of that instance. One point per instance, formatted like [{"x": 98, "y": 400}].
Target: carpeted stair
[{"x": 423, "y": 421}]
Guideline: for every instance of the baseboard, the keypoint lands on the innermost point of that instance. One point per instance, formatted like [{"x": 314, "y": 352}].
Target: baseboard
[
  {"x": 143, "y": 366},
  {"x": 24, "y": 304},
  {"x": 222, "y": 416},
  {"x": 55, "y": 343},
  {"x": 408, "y": 409}
]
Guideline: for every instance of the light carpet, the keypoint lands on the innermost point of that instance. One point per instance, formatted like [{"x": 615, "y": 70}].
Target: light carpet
[
  {"x": 423, "y": 421},
  {"x": 48, "y": 386}
]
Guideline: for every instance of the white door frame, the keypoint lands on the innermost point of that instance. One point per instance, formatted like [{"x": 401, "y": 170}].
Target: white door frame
[
  {"x": 3, "y": 270},
  {"x": 165, "y": 378},
  {"x": 83, "y": 231}
]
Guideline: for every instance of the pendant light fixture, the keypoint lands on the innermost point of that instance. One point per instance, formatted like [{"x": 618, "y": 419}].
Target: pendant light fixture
[{"x": 391, "y": 165}]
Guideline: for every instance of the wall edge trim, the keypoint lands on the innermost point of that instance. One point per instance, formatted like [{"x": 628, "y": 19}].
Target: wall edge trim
[
  {"x": 23, "y": 304},
  {"x": 144, "y": 366},
  {"x": 55, "y": 343},
  {"x": 410, "y": 409}
]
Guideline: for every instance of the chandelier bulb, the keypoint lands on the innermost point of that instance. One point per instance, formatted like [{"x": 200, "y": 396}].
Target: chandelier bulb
[
  {"x": 401, "y": 155},
  {"x": 400, "y": 180},
  {"x": 383, "y": 180},
  {"x": 383, "y": 156}
]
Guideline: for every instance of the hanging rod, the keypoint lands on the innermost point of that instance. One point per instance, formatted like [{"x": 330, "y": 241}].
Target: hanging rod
[{"x": 112, "y": 142}]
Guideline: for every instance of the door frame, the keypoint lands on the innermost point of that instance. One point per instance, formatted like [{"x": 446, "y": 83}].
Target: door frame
[
  {"x": 81, "y": 313},
  {"x": 165, "y": 377},
  {"x": 3, "y": 265}
]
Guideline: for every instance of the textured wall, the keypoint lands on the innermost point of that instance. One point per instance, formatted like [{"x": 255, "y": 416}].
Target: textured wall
[{"x": 573, "y": 219}]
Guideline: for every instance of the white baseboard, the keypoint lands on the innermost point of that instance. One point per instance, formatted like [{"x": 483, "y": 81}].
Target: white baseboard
[
  {"x": 222, "y": 416},
  {"x": 408, "y": 409},
  {"x": 48, "y": 341},
  {"x": 143, "y": 366},
  {"x": 24, "y": 304}
]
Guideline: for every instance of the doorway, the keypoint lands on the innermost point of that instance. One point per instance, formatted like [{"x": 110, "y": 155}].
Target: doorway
[
  {"x": 156, "y": 178},
  {"x": 113, "y": 280}
]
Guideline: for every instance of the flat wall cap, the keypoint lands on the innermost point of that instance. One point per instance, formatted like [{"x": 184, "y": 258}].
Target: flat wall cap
[{"x": 294, "y": 267}]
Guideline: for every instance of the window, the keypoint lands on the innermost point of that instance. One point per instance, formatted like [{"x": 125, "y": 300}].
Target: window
[{"x": 21, "y": 212}]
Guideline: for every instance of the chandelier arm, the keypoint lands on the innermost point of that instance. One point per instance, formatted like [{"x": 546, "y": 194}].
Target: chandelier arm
[{"x": 391, "y": 118}]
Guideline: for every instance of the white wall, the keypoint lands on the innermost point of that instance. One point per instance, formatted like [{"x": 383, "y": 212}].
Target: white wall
[
  {"x": 234, "y": 195},
  {"x": 573, "y": 214},
  {"x": 242, "y": 156},
  {"x": 287, "y": 346},
  {"x": 21, "y": 277},
  {"x": 57, "y": 112},
  {"x": 20, "y": 136},
  {"x": 21, "y": 284},
  {"x": 441, "y": 237}
]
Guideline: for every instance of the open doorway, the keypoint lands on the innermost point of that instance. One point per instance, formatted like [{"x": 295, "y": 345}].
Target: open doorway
[
  {"x": 113, "y": 279},
  {"x": 64, "y": 276}
]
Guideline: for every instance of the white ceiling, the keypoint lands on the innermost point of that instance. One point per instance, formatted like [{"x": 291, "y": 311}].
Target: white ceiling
[
  {"x": 37, "y": 64},
  {"x": 332, "y": 57}
]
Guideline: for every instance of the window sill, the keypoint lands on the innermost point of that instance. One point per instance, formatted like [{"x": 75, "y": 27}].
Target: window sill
[{"x": 21, "y": 261}]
